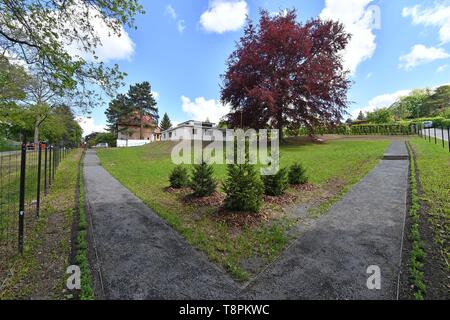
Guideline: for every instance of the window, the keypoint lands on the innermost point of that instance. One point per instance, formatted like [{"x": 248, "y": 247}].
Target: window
[{"x": 194, "y": 131}]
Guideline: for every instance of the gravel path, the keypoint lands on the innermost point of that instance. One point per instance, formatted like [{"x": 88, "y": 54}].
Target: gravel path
[
  {"x": 143, "y": 258},
  {"x": 365, "y": 228},
  {"x": 140, "y": 256}
]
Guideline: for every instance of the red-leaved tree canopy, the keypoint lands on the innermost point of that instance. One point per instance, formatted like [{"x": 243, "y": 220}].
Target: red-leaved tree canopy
[{"x": 287, "y": 74}]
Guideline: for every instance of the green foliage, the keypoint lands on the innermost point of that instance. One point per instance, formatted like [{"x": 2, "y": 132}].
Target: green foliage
[
  {"x": 13, "y": 81},
  {"x": 398, "y": 128},
  {"x": 297, "y": 174},
  {"x": 106, "y": 137},
  {"x": 202, "y": 180},
  {"x": 243, "y": 187},
  {"x": 165, "y": 122},
  {"x": 382, "y": 115},
  {"x": 277, "y": 184},
  {"x": 179, "y": 177},
  {"x": 412, "y": 106},
  {"x": 40, "y": 32}
]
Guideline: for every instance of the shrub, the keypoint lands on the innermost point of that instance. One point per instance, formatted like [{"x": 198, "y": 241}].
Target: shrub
[
  {"x": 276, "y": 185},
  {"x": 179, "y": 177},
  {"x": 297, "y": 174},
  {"x": 243, "y": 187},
  {"x": 202, "y": 181}
]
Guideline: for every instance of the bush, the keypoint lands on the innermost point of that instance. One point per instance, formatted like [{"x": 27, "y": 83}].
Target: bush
[
  {"x": 243, "y": 187},
  {"x": 202, "y": 181},
  {"x": 179, "y": 177},
  {"x": 276, "y": 185},
  {"x": 297, "y": 174}
]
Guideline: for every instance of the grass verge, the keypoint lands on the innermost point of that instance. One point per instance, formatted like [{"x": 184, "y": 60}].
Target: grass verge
[
  {"x": 417, "y": 254},
  {"x": 433, "y": 164},
  {"x": 80, "y": 248}
]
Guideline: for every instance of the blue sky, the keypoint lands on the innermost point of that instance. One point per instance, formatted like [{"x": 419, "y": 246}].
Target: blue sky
[{"x": 181, "y": 46}]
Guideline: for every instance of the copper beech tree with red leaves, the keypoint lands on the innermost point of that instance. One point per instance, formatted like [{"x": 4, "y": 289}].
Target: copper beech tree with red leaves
[{"x": 287, "y": 74}]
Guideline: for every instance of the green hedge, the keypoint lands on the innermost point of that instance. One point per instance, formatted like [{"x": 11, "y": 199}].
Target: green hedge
[{"x": 381, "y": 129}]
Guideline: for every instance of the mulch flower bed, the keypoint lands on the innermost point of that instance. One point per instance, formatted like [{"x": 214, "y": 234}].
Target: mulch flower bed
[
  {"x": 240, "y": 220},
  {"x": 216, "y": 199},
  {"x": 304, "y": 187}
]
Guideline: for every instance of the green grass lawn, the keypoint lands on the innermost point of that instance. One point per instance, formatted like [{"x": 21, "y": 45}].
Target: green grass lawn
[
  {"x": 433, "y": 163},
  {"x": 332, "y": 168}
]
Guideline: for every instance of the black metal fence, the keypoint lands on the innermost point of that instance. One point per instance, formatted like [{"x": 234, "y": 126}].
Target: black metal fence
[
  {"x": 26, "y": 176},
  {"x": 437, "y": 134}
]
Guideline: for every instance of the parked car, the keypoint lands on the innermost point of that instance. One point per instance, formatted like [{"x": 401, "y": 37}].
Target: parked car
[
  {"x": 427, "y": 124},
  {"x": 101, "y": 145}
]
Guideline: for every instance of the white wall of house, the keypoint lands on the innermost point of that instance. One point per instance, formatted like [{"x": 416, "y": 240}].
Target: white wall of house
[
  {"x": 195, "y": 133},
  {"x": 131, "y": 143}
]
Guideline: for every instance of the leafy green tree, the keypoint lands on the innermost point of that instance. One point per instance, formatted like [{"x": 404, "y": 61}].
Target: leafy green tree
[
  {"x": 412, "y": 105},
  {"x": 243, "y": 187},
  {"x": 439, "y": 100},
  {"x": 13, "y": 81},
  {"x": 382, "y": 115},
  {"x": 38, "y": 33},
  {"x": 165, "y": 122},
  {"x": 202, "y": 180},
  {"x": 106, "y": 137}
]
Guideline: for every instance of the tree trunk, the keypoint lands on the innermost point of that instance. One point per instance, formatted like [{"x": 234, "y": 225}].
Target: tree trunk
[
  {"x": 36, "y": 131},
  {"x": 141, "y": 129}
]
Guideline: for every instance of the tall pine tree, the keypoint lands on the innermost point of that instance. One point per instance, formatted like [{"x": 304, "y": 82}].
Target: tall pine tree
[
  {"x": 142, "y": 102},
  {"x": 165, "y": 122}
]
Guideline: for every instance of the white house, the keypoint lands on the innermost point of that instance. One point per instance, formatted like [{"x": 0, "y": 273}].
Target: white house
[{"x": 196, "y": 130}]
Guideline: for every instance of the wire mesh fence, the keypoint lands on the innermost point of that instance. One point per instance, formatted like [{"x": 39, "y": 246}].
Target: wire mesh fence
[{"x": 26, "y": 177}]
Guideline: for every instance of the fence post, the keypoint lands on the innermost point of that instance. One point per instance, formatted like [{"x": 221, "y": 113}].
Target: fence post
[
  {"x": 50, "y": 165},
  {"x": 45, "y": 170},
  {"x": 435, "y": 139},
  {"x": 38, "y": 195},
  {"x": 448, "y": 137},
  {"x": 442, "y": 133},
  {"x": 54, "y": 163},
  {"x": 23, "y": 159}
]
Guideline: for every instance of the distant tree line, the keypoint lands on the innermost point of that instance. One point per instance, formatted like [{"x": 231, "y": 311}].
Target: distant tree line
[{"x": 420, "y": 103}]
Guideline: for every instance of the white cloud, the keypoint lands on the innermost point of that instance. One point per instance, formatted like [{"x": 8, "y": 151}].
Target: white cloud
[
  {"x": 224, "y": 15},
  {"x": 181, "y": 24},
  {"x": 421, "y": 55},
  {"x": 381, "y": 101},
  {"x": 112, "y": 46},
  {"x": 437, "y": 16},
  {"x": 202, "y": 109},
  {"x": 155, "y": 94},
  {"x": 358, "y": 19},
  {"x": 442, "y": 68},
  {"x": 89, "y": 126},
  {"x": 171, "y": 12}
]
